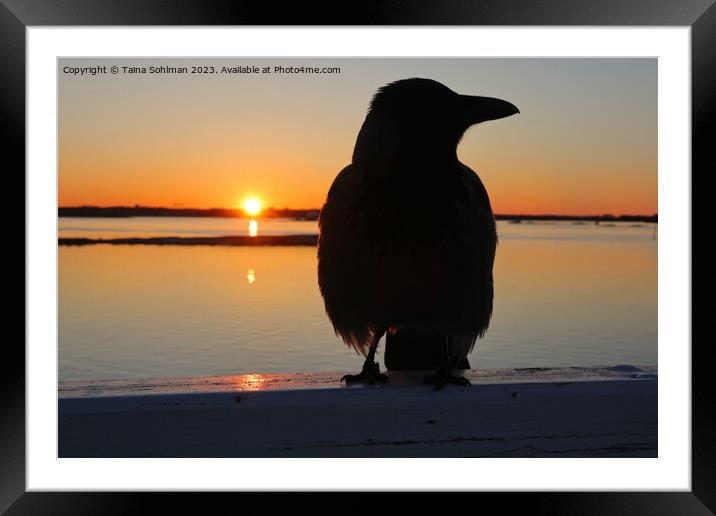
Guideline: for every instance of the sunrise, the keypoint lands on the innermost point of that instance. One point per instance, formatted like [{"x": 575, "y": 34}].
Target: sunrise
[
  {"x": 357, "y": 257},
  {"x": 585, "y": 141},
  {"x": 252, "y": 206}
]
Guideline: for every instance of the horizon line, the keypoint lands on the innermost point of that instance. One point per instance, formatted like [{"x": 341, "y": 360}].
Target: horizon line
[{"x": 272, "y": 208}]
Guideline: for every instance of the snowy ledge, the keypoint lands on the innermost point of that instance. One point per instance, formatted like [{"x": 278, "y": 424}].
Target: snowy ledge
[{"x": 534, "y": 412}]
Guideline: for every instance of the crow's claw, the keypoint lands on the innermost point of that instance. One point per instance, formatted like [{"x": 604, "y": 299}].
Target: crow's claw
[
  {"x": 441, "y": 378},
  {"x": 370, "y": 374}
]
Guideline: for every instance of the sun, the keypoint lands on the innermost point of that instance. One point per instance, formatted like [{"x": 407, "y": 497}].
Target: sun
[{"x": 252, "y": 206}]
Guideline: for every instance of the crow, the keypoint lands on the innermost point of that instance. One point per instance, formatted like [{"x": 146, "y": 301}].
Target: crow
[{"x": 407, "y": 237}]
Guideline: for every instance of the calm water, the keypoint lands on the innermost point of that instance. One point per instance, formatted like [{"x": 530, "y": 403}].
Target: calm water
[
  {"x": 146, "y": 227},
  {"x": 565, "y": 295}
]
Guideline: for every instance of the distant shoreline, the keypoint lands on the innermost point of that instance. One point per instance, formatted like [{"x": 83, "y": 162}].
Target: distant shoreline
[
  {"x": 262, "y": 240},
  {"x": 308, "y": 214}
]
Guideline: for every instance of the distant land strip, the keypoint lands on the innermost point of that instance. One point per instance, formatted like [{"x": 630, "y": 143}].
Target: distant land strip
[
  {"x": 311, "y": 214},
  {"x": 267, "y": 240}
]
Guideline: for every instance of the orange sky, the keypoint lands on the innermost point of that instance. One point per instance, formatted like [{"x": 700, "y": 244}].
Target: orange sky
[{"x": 584, "y": 143}]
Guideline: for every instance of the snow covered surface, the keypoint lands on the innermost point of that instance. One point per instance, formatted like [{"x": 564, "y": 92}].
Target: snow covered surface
[{"x": 559, "y": 412}]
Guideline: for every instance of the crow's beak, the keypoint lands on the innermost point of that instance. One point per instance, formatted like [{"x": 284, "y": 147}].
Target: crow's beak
[{"x": 482, "y": 109}]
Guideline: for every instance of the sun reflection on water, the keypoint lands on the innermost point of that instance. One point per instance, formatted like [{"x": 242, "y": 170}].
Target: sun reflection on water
[
  {"x": 251, "y": 276},
  {"x": 253, "y": 228},
  {"x": 249, "y": 382}
]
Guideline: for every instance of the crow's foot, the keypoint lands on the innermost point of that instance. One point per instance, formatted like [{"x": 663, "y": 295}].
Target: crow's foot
[
  {"x": 370, "y": 374},
  {"x": 443, "y": 377}
]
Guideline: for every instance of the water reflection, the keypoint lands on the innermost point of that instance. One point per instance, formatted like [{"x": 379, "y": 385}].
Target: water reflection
[
  {"x": 253, "y": 228},
  {"x": 565, "y": 295},
  {"x": 248, "y": 382},
  {"x": 251, "y": 276}
]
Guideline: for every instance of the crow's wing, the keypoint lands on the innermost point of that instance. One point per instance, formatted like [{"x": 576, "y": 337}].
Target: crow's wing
[
  {"x": 342, "y": 267},
  {"x": 478, "y": 247},
  {"x": 389, "y": 260}
]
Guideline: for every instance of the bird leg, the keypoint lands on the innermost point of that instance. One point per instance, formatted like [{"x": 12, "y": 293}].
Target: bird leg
[
  {"x": 444, "y": 375},
  {"x": 370, "y": 373}
]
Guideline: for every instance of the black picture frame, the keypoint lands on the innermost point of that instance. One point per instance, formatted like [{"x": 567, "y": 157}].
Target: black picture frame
[{"x": 700, "y": 15}]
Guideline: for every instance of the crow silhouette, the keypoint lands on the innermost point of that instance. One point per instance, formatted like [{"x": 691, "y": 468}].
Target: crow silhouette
[{"x": 407, "y": 236}]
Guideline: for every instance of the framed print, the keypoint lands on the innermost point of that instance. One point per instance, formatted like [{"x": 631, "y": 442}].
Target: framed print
[{"x": 214, "y": 210}]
